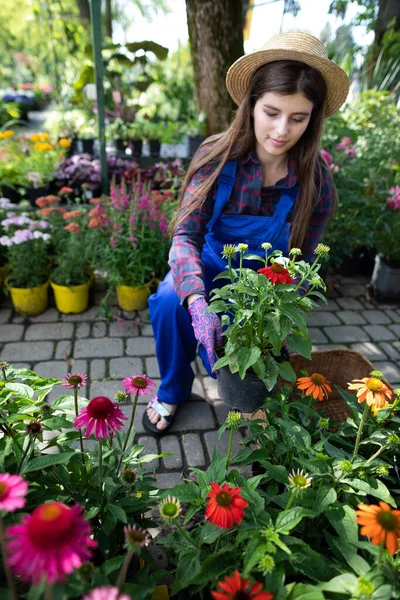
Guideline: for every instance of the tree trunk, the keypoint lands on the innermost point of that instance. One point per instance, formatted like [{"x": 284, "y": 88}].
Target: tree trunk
[
  {"x": 216, "y": 41},
  {"x": 108, "y": 19},
  {"x": 84, "y": 10},
  {"x": 387, "y": 11}
]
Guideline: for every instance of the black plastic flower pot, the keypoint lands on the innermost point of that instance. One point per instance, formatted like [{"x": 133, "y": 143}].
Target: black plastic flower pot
[
  {"x": 34, "y": 193},
  {"x": 194, "y": 143},
  {"x": 88, "y": 145},
  {"x": 245, "y": 395},
  {"x": 10, "y": 193},
  {"x": 136, "y": 147},
  {"x": 155, "y": 148}
]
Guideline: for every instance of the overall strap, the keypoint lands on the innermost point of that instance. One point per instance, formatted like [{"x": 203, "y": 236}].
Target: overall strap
[
  {"x": 225, "y": 183},
  {"x": 282, "y": 209}
]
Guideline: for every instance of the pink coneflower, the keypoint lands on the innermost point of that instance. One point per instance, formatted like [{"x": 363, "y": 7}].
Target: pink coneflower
[
  {"x": 51, "y": 542},
  {"x": 13, "y": 489},
  {"x": 100, "y": 415},
  {"x": 72, "y": 380},
  {"x": 106, "y": 593},
  {"x": 136, "y": 537},
  {"x": 139, "y": 384}
]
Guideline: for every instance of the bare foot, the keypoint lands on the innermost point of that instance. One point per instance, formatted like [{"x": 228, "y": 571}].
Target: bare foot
[{"x": 155, "y": 418}]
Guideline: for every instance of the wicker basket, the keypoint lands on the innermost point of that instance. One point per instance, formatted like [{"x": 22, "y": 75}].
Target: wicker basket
[{"x": 339, "y": 367}]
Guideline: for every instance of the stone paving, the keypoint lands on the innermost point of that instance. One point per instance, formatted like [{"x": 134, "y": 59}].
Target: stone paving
[{"x": 53, "y": 343}]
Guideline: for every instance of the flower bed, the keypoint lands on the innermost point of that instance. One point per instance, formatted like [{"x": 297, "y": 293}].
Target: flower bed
[{"x": 318, "y": 520}]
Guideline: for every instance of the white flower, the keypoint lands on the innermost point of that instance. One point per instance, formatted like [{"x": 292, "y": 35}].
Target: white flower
[{"x": 282, "y": 260}]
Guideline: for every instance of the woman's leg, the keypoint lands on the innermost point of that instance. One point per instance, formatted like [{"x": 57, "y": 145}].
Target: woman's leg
[{"x": 175, "y": 347}]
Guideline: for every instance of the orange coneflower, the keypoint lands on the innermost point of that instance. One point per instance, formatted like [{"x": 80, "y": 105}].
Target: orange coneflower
[
  {"x": 381, "y": 524},
  {"x": 315, "y": 385},
  {"x": 372, "y": 389}
]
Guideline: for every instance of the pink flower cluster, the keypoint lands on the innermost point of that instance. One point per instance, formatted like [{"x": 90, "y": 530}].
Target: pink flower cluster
[
  {"x": 329, "y": 160},
  {"x": 347, "y": 145},
  {"x": 394, "y": 200}
]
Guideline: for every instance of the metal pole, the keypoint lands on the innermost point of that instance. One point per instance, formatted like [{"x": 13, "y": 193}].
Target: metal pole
[{"x": 95, "y": 14}]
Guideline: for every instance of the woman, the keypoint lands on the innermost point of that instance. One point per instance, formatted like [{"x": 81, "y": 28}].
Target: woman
[{"x": 262, "y": 180}]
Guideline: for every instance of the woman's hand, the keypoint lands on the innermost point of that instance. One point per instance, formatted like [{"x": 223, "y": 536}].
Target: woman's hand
[{"x": 206, "y": 326}]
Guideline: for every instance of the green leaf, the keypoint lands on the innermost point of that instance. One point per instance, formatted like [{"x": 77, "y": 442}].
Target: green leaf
[
  {"x": 277, "y": 472},
  {"x": 188, "y": 568},
  {"x": 286, "y": 371},
  {"x": 357, "y": 563},
  {"x": 20, "y": 388},
  {"x": 295, "y": 435},
  {"x": 118, "y": 512},
  {"x": 289, "y": 519},
  {"x": 222, "y": 362},
  {"x": 346, "y": 583},
  {"x": 325, "y": 497},
  {"x": 343, "y": 520},
  {"x": 92, "y": 512},
  {"x": 246, "y": 358},
  {"x": 255, "y": 550},
  {"x": 294, "y": 315},
  {"x": 374, "y": 487},
  {"x": 299, "y": 344},
  {"x": 186, "y": 492},
  {"x": 302, "y": 591},
  {"x": 49, "y": 460}
]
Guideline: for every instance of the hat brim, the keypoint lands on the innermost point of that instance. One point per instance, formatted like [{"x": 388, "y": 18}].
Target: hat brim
[{"x": 239, "y": 74}]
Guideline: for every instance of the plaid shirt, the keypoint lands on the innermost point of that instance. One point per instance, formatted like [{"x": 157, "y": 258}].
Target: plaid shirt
[{"x": 248, "y": 198}]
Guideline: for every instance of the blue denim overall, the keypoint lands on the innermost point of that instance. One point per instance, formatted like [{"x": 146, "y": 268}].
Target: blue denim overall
[{"x": 173, "y": 333}]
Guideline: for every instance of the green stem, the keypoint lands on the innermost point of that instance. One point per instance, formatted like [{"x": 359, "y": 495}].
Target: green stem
[
  {"x": 31, "y": 437},
  {"x": 292, "y": 496},
  {"x": 360, "y": 428},
  {"x": 100, "y": 464},
  {"x": 229, "y": 448},
  {"x": 4, "y": 373},
  {"x": 382, "y": 546},
  {"x": 7, "y": 571},
  {"x": 381, "y": 449},
  {"x": 80, "y": 430},
  {"x": 129, "y": 430},
  {"x": 48, "y": 592},
  {"x": 308, "y": 407},
  {"x": 185, "y": 535},
  {"x": 124, "y": 569}
]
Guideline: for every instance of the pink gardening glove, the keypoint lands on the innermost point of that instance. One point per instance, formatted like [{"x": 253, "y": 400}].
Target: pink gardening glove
[{"x": 206, "y": 326}]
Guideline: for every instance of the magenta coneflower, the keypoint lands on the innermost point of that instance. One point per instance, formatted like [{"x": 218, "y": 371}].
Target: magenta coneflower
[
  {"x": 51, "y": 542},
  {"x": 136, "y": 537},
  {"x": 13, "y": 489},
  {"x": 72, "y": 380},
  {"x": 106, "y": 593},
  {"x": 100, "y": 415},
  {"x": 139, "y": 384}
]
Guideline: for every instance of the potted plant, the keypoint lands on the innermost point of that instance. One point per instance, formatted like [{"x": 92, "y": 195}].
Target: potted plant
[
  {"x": 196, "y": 128},
  {"x": 71, "y": 278},
  {"x": 385, "y": 282},
  {"x": 161, "y": 132},
  {"x": 132, "y": 244},
  {"x": 34, "y": 162},
  {"x": 86, "y": 136},
  {"x": 262, "y": 314},
  {"x": 27, "y": 242}
]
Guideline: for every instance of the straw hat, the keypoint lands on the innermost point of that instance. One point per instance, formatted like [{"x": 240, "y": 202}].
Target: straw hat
[{"x": 299, "y": 46}]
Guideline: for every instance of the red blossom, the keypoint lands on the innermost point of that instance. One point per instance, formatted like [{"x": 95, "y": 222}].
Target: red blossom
[{"x": 276, "y": 273}]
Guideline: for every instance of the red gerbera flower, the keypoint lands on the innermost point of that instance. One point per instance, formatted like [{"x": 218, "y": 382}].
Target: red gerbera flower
[
  {"x": 225, "y": 505},
  {"x": 276, "y": 273},
  {"x": 100, "y": 415},
  {"x": 235, "y": 588}
]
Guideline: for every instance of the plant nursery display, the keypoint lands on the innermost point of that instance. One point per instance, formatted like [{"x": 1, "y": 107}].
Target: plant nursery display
[
  {"x": 262, "y": 315},
  {"x": 27, "y": 243},
  {"x": 318, "y": 521},
  {"x": 132, "y": 244},
  {"x": 30, "y": 162}
]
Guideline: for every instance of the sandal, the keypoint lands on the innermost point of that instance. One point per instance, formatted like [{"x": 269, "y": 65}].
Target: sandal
[{"x": 162, "y": 411}]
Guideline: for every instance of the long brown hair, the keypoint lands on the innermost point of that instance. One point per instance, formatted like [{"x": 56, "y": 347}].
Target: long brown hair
[{"x": 281, "y": 77}]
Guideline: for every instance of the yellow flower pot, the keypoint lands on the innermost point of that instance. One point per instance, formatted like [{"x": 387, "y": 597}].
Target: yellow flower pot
[
  {"x": 74, "y": 299},
  {"x": 133, "y": 298},
  {"x": 30, "y": 301}
]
